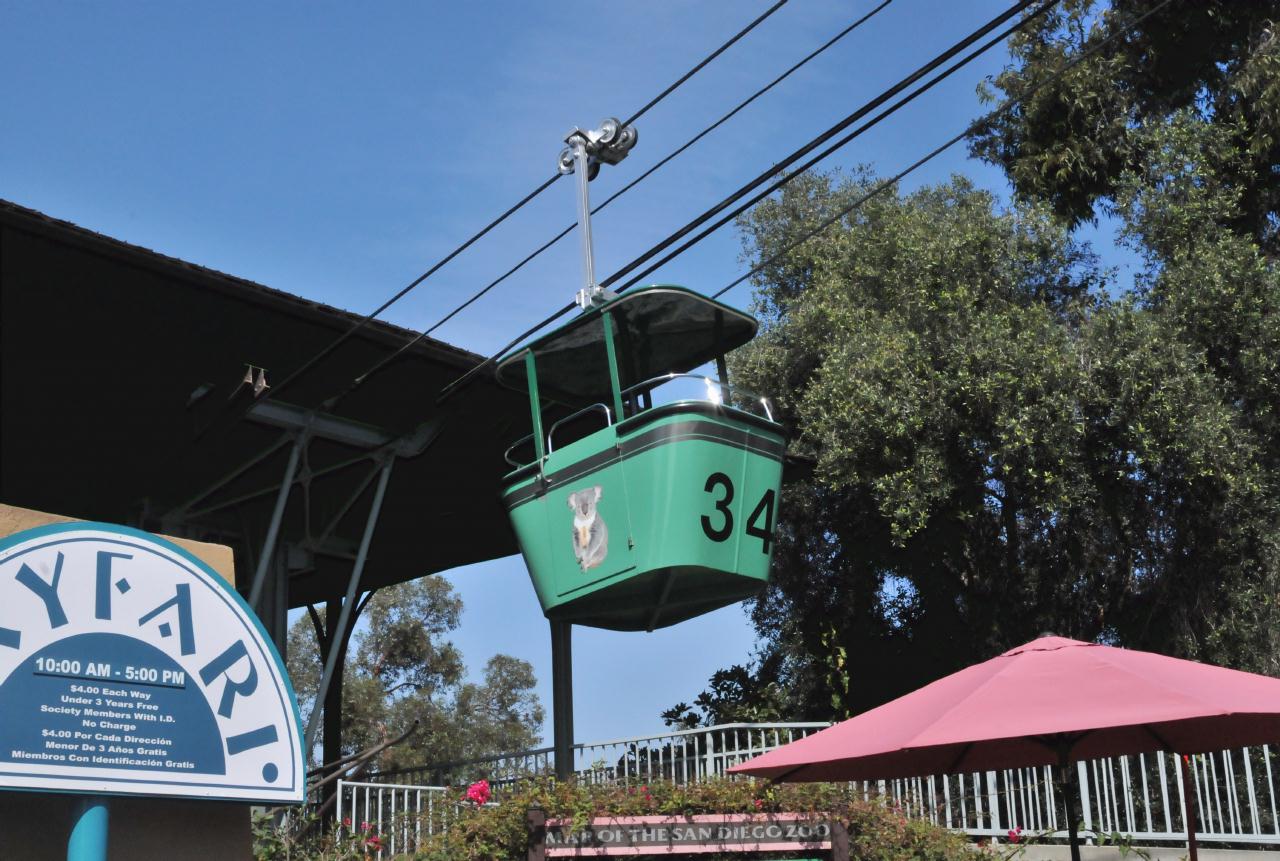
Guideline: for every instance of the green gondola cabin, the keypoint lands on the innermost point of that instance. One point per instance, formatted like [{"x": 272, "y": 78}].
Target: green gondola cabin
[{"x": 633, "y": 516}]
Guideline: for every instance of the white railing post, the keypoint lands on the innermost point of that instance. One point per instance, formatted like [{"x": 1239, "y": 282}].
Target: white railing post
[
  {"x": 1182, "y": 798},
  {"x": 993, "y": 805},
  {"x": 1164, "y": 793},
  {"x": 1111, "y": 798},
  {"x": 1271, "y": 789},
  {"x": 341, "y": 785},
  {"x": 1146, "y": 790},
  {"x": 1082, "y": 779}
]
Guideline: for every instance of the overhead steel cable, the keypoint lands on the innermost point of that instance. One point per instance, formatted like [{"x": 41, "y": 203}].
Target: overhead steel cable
[
  {"x": 784, "y": 180},
  {"x": 382, "y": 363},
  {"x": 292, "y": 377},
  {"x": 849, "y": 120},
  {"x": 404, "y": 291},
  {"x": 276, "y": 388},
  {"x": 885, "y": 185},
  {"x": 792, "y": 159},
  {"x": 716, "y": 53}
]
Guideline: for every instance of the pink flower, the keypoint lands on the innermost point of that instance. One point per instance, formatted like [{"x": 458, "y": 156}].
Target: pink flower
[
  {"x": 346, "y": 822},
  {"x": 1015, "y": 835},
  {"x": 365, "y": 826},
  {"x": 374, "y": 842},
  {"x": 479, "y": 792},
  {"x": 759, "y": 803}
]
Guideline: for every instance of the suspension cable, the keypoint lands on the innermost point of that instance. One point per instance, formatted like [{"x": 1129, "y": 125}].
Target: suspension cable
[
  {"x": 310, "y": 363},
  {"x": 791, "y": 159},
  {"x": 884, "y": 185},
  {"x": 716, "y": 53},
  {"x": 382, "y": 363},
  {"x": 849, "y": 120},
  {"x": 784, "y": 180}
]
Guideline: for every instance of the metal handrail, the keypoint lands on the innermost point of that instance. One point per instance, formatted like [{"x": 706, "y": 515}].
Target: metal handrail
[
  {"x": 506, "y": 455},
  {"x": 1236, "y": 791},
  {"x": 712, "y": 385},
  {"x": 581, "y": 746},
  {"x": 716, "y": 397},
  {"x": 608, "y": 421}
]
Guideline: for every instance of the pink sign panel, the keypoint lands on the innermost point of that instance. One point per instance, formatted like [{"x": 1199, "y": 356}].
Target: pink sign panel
[{"x": 689, "y": 835}]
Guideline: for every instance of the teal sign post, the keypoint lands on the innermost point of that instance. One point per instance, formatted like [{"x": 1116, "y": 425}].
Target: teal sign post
[{"x": 129, "y": 667}]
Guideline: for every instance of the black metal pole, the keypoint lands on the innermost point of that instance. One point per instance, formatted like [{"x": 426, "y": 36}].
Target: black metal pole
[
  {"x": 536, "y": 823},
  {"x": 1071, "y": 794},
  {"x": 1188, "y": 793},
  {"x": 562, "y": 697},
  {"x": 331, "y": 744}
]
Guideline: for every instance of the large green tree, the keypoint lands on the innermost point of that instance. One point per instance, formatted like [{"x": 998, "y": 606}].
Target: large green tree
[
  {"x": 1007, "y": 439},
  {"x": 1176, "y": 133},
  {"x": 1076, "y": 141},
  {"x": 1004, "y": 443},
  {"x": 401, "y": 668}
]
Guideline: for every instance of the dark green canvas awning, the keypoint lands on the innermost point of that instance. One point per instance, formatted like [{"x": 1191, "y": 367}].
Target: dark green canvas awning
[{"x": 661, "y": 329}]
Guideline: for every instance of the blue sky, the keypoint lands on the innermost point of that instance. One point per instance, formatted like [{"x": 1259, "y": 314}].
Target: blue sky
[{"x": 336, "y": 150}]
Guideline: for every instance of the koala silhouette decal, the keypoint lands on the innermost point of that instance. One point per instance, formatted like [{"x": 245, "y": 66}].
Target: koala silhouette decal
[{"x": 590, "y": 536}]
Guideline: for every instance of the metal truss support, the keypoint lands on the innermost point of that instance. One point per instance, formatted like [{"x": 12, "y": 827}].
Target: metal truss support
[
  {"x": 277, "y": 515},
  {"x": 181, "y": 512},
  {"x": 562, "y": 697},
  {"x": 353, "y": 587},
  {"x": 319, "y": 543},
  {"x": 408, "y": 446}
]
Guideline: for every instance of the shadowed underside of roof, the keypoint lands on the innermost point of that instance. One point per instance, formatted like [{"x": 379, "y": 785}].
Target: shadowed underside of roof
[{"x": 102, "y": 346}]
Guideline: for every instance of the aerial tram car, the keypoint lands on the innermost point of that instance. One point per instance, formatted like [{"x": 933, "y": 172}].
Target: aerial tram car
[{"x": 634, "y": 515}]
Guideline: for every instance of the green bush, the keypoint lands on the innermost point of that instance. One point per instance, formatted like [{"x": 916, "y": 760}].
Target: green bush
[
  {"x": 299, "y": 836},
  {"x": 876, "y": 832}
]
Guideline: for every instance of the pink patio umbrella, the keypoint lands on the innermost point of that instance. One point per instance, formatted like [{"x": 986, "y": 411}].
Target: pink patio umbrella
[{"x": 1053, "y": 701}]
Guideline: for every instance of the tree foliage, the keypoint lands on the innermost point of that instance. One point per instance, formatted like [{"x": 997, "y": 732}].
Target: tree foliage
[
  {"x": 1008, "y": 441},
  {"x": 1005, "y": 443},
  {"x": 400, "y": 668},
  {"x": 1074, "y": 143}
]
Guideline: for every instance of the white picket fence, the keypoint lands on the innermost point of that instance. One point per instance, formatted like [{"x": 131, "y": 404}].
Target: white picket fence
[
  {"x": 683, "y": 756},
  {"x": 399, "y": 814},
  {"x": 1138, "y": 797}
]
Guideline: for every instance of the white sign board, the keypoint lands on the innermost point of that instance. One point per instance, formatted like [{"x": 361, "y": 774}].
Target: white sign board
[{"x": 129, "y": 666}]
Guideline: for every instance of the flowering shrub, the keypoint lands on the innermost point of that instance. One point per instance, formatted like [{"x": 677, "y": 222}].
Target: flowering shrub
[
  {"x": 498, "y": 832},
  {"x": 478, "y": 793},
  {"x": 876, "y": 833},
  {"x": 304, "y": 840}
]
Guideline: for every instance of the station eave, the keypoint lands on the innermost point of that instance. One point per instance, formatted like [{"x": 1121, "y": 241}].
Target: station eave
[{"x": 103, "y": 345}]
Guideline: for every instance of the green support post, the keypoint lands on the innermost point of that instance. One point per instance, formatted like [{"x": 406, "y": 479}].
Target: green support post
[
  {"x": 535, "y": 404},
  {"x": 612, "y": 353}
]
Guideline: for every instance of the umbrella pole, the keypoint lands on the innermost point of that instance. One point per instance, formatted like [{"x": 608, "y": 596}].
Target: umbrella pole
[
  {"x": 1189, "y": 793},
  {"x": 1070, "y": 792}
]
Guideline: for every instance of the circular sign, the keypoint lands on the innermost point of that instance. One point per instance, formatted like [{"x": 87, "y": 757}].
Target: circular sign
[{"x": 129, "y": 666}]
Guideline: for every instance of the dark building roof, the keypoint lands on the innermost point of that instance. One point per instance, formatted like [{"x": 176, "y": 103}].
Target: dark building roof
[{"x": 102, "y": 347}]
